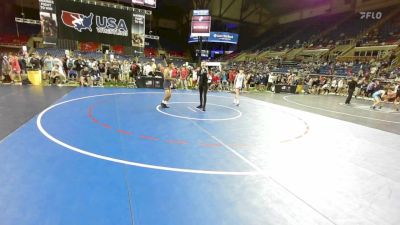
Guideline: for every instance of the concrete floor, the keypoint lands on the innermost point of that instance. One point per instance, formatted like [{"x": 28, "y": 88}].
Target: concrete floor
[{"x": 18, "y": 104}]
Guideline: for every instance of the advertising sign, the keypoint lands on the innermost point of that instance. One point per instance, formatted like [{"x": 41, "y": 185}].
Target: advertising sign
[
  {"x": 85, "y": 22},
  {"x": 218, "y": 37},
  {"x": 147, "y": 3},
  {"x": 201, "y": 12},
  {"x": 138, "y": 30},
  {"x": 201, "y": 26},
  {"x": 48, "y": 21}
]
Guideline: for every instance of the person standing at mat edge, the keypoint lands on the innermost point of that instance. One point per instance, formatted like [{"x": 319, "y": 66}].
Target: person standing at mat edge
[
  {"x": 352, "y": 86},
  {"x": 238, "y": 84},
  {"x": 167, "y": 84},
  {"x": 203, "y": 86}
]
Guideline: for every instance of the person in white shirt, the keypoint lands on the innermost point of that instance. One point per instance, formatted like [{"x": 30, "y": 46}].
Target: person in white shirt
[
  {"x": 57, "y": 75},
  {"x": 194, "y": 77},
  {"x": 126, "y": 68},
  {"x": 238, "y": 84},
  {"x": 147, "y": 70},
  {"x": 340, "y": 87},
  {"x": 57, "y": 61},
  {"x": 153, "y": 65}
]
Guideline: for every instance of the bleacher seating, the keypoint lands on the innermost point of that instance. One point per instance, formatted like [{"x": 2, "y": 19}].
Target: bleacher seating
[
  {"x": 13, "y": 40},
  {"x": 150, "y": 52},
  {"x": 56, "y": 52}
]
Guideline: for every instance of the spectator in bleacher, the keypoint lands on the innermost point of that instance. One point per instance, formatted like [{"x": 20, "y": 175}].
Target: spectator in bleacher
[
  {"x": 58, "y": 61},
  {"x": 215, "y": 82},
  {"x": 135, "y": 69},
  {"x": 184, "y": 77},
  {"x": 326, "y": 87},
  {"x": 224, "y": 80},
  {"x": 334, "y": 85},
  {"x": 84, "y": 77},
  {"x": 102, "y": 69},
  {"x": 64, "y": 64},
  {"x": 95, "y": 76},
  {"x": 114, "y": 72},
  {"x": 362, "y": 86},
  {"x": 147, "y": 70},
  {"x": 79, "y": 65},
  {"x": 231, "y": 78},
  {"x": 175, "y": 76},
  {"x": 153, "y": 65},
  {"x": 15, "y": 68},
  {"x": 247, "y": 79},
  {"x": 71, "y": 69},
  {"x": 271, "y": 80},
  {"x": 57, "y": 75},
  {"x": 23, "y": 64},
  {"x": 1, "y": 67},
  {"x": 47, "y": 66},
  {"x": 315, "y": 86},
  {"x": 195, "y": 77},
  {"x": 371, "y": 88},
  {"x": 5, "y": 69},
  {"x": 125, "y": 69},
  {"x": 396, "y": 102},
  {"x": 159, "y": 69},
  {"x": 341, "y": 86},
  {"x": 35, "y": 61}
]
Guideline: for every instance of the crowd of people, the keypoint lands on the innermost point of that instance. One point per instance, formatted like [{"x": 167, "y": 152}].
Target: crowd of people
[
  {"x": 259, "y": 76},
  {"x": 95, "y": 72},
  {"x": 84, "y": 71},
  {"x": 372, "y": 81}
]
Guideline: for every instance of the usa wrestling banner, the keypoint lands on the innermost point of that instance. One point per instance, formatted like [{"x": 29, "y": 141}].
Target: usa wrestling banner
[
  {"x": 48, "y": 21},
  {"x": 94, "y": 23}
]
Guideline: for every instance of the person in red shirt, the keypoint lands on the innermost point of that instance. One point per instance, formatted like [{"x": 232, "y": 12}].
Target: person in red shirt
[
  {"x": 184, "y": 76},
  {"x": 215, "y": 82},
  {"x": 174, "y": 75},
  {"x": 232, "y": 77},
  {"x": 15, "y": 68}
]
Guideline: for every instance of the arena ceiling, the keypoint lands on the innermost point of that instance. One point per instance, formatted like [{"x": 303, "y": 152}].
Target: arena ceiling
[
  {"x": 247, "y": 11},
  {"x": 259, "y": 14}
]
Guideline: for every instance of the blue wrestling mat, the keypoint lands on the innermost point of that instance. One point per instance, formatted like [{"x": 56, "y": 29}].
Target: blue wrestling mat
[{"x": 113, "y": 156}]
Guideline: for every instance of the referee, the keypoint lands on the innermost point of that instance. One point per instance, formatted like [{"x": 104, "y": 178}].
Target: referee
[
  {"x": 351, "y": 88},
  {"x": 203, "y": 86}
]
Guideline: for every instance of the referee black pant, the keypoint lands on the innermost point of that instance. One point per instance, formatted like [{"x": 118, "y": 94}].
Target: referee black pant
[
  {"x": 203, "y": 95},
  {"x": 351, "y": 91}
]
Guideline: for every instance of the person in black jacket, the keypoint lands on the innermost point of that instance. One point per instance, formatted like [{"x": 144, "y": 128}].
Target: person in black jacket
[
  {"x": 352, "y": 86},
  {"x": 35, "y": 62},
  {"x": 203, "y": 85}
]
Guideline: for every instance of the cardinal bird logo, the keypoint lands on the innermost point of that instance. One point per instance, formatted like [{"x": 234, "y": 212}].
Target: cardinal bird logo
[{"x": 77, "y": 21}]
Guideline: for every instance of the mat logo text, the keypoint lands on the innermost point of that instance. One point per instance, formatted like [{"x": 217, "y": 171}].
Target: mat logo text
[{"x": 371, "y": 15}]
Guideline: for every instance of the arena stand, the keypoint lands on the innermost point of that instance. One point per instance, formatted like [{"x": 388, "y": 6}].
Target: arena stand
[{"x": 328, "y": 48}]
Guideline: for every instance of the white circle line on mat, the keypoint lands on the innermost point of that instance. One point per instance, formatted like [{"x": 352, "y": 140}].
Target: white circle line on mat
[
  {"x": 200, "y": 119},
  {"x": 125, "y": 162}
]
